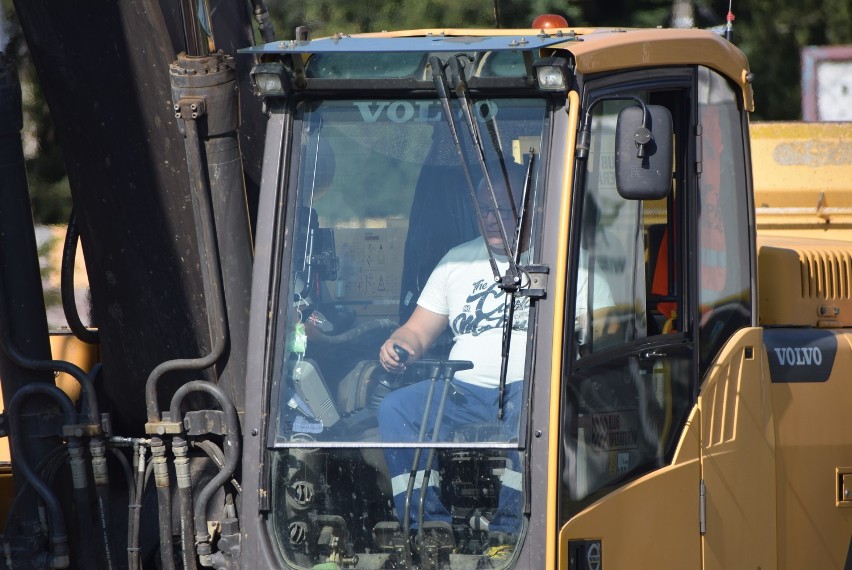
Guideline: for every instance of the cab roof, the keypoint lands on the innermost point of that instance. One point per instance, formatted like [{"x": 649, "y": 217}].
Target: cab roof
[{"x": 594, "y": 50}]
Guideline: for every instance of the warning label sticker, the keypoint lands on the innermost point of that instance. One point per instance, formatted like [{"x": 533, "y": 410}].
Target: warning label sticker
[{"x": 612, "y": 431}]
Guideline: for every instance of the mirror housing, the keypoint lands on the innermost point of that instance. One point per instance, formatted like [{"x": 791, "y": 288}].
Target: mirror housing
[{"x": 644, "y": 153}]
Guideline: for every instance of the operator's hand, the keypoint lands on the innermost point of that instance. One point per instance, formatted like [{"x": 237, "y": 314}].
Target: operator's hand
[{"x": 393, "y": 355}]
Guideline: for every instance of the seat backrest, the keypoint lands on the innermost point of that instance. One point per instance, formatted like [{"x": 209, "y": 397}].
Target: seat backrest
[{"x": 441, "y": 218}]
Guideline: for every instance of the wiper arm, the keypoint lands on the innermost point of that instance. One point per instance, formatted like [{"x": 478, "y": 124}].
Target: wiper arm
[
  {"x": 511, "y": 281},
  {"x": 443, "y": 89},
  {"x": 512, "y": 277}
]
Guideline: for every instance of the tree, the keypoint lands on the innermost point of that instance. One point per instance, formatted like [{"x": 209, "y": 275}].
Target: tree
[
  {"x": 770, "y": 32},
  {"x": 50, "y": 193}
]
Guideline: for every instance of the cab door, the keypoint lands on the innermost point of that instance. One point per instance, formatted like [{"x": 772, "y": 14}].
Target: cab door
[{"x": 630, "y": 475}]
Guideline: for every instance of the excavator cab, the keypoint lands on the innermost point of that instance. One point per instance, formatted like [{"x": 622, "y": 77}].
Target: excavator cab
[{"x": 385, "y": 165}]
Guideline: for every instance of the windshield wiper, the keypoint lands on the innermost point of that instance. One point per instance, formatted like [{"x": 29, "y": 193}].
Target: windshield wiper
[
  {"x": 510, "y": 282},
  {"x": 511, "y": 293},
  {"x": 443, "y": 89}
]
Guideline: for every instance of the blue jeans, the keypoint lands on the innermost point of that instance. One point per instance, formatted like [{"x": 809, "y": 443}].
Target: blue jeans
[{"x": 400, "y": 415}]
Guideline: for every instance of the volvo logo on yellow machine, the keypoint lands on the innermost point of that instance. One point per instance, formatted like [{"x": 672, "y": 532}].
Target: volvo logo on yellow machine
[{"x": 800, "y": 355}]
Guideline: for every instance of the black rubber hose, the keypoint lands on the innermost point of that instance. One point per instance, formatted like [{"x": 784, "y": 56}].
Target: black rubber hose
[
  {"x": 264, "y": 24},
  {"x": 214, "y": 452},
  {"x": 127, "y": 470},
  {"x": 185, "y": 503},
  {"x": 352, "y": 334},
  {"x": 232, "y": 449},
  {"x": 164, "y": 506},
  {"x": 82, "y": 506},
  {"x": 52, "y": 366},
  {"x": 160, "y": 465},
  {"x": 135, "y": 512},
  {"x": 58, "y": 534},
  {"x": 59, "y": 453},
  {"x": 180, "y": 451},
  {"x": 69, "y": 302},
  {"x": 102, "y": 495}
]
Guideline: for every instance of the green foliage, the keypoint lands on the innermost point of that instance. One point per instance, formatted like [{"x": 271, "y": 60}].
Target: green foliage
[
  {"x": 50, "y": 192},
  {"x": 770, "y": 32}
]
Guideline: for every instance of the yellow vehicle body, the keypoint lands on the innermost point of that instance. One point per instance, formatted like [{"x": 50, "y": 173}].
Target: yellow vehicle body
[
  {"x": 772, "y": 457},
  {"x": 802, "y": 184}
]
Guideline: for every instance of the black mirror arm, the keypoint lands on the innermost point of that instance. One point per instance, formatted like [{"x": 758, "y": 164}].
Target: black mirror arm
[{"x": 642, "y": 135}]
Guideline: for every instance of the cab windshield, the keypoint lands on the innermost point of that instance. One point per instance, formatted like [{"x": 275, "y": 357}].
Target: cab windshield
[{"x": 386, "y": 218}]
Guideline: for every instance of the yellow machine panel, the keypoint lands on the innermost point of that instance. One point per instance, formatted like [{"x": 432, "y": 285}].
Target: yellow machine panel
[{"x": 801, "y": 178}]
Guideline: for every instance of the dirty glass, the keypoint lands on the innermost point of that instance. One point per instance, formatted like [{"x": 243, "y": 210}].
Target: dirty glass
[
  {"x": 371, "y": 469},
  {"x": 724, "y": 292},
  {"x": 630, "y": 374}
]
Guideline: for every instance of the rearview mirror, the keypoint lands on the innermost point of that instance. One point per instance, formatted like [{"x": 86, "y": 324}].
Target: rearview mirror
[{"x": 643, "y": 153}]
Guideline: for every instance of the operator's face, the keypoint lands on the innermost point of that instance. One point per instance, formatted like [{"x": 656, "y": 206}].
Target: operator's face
[{"x": 489, "y": 218}]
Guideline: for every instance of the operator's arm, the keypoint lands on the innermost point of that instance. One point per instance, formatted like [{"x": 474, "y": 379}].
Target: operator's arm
[{"x": 415, "y": 336}]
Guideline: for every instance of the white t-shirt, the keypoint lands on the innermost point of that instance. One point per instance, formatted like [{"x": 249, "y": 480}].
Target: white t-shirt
[{"x": 462, "y": 287}]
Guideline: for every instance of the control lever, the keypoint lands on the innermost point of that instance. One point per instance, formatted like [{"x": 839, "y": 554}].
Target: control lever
[
  {"x": 401, "y": 353},
  {"x": 442, "y": 370}
]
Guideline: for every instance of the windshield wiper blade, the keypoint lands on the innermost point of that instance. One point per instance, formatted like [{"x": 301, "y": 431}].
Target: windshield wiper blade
[
  {"x": 510, "y": 283},
  {"x": 511, "y": 294},
  {"x": 443, "y": 89},
  {"x": 512, "y": 277}
]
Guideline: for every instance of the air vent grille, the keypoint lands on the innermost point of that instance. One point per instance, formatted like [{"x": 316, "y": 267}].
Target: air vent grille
[{"x": 826, "y": 273}]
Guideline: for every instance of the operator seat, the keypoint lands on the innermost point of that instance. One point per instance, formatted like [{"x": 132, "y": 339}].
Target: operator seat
[{"x": 441, "y": 218}]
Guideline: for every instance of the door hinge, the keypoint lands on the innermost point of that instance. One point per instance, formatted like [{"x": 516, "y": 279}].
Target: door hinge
[
  {"x": 702, "y": 507},
  {"x": 699, "y": 149}
]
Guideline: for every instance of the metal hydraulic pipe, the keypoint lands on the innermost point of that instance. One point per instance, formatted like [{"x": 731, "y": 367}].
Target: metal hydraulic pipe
[
  {"x": 212, "y": 285},
  {"x": 232, "y": 450},
  {"x": 203, "y": 90}
]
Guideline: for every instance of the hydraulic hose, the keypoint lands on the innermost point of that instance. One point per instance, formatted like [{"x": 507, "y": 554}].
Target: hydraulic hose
[
  {"x": 80, "y": 483},
  {"x": 135, "y": 512},
  {"x": 180, "y": 450},
  {"x": 214, "y": 452},
  {"x": 69, "y": 303},
  {"x": 356, "y": 332},
  {"x": 213, "y": 290},
  {"x": 127, "y": 470},
  {"x": 59, "y": 453},
  {"x": 164, "y": 502},
  {"x": 58, "y": 535},
  {"x": 97, "y": 448},
  {"x": 232, "y": 450},
  {"x": 24, "y": 361}
]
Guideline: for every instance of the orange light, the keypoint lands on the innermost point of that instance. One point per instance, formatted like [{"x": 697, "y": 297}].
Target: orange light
[{"x": 549, "y": 21}]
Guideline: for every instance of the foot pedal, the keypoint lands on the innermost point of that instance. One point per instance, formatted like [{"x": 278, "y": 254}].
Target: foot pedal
[
  {"x": 389, "y": 538},
  {"x": 387, "y": 535},
  {"x": 435, "y": 544}
]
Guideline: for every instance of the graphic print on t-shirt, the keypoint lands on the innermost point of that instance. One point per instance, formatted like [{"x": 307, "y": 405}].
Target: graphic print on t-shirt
[{"x": 483, "y": 310}]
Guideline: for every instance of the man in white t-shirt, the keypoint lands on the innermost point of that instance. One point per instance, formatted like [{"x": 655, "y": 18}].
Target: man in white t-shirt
[{"x": 460, "y": 293}]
